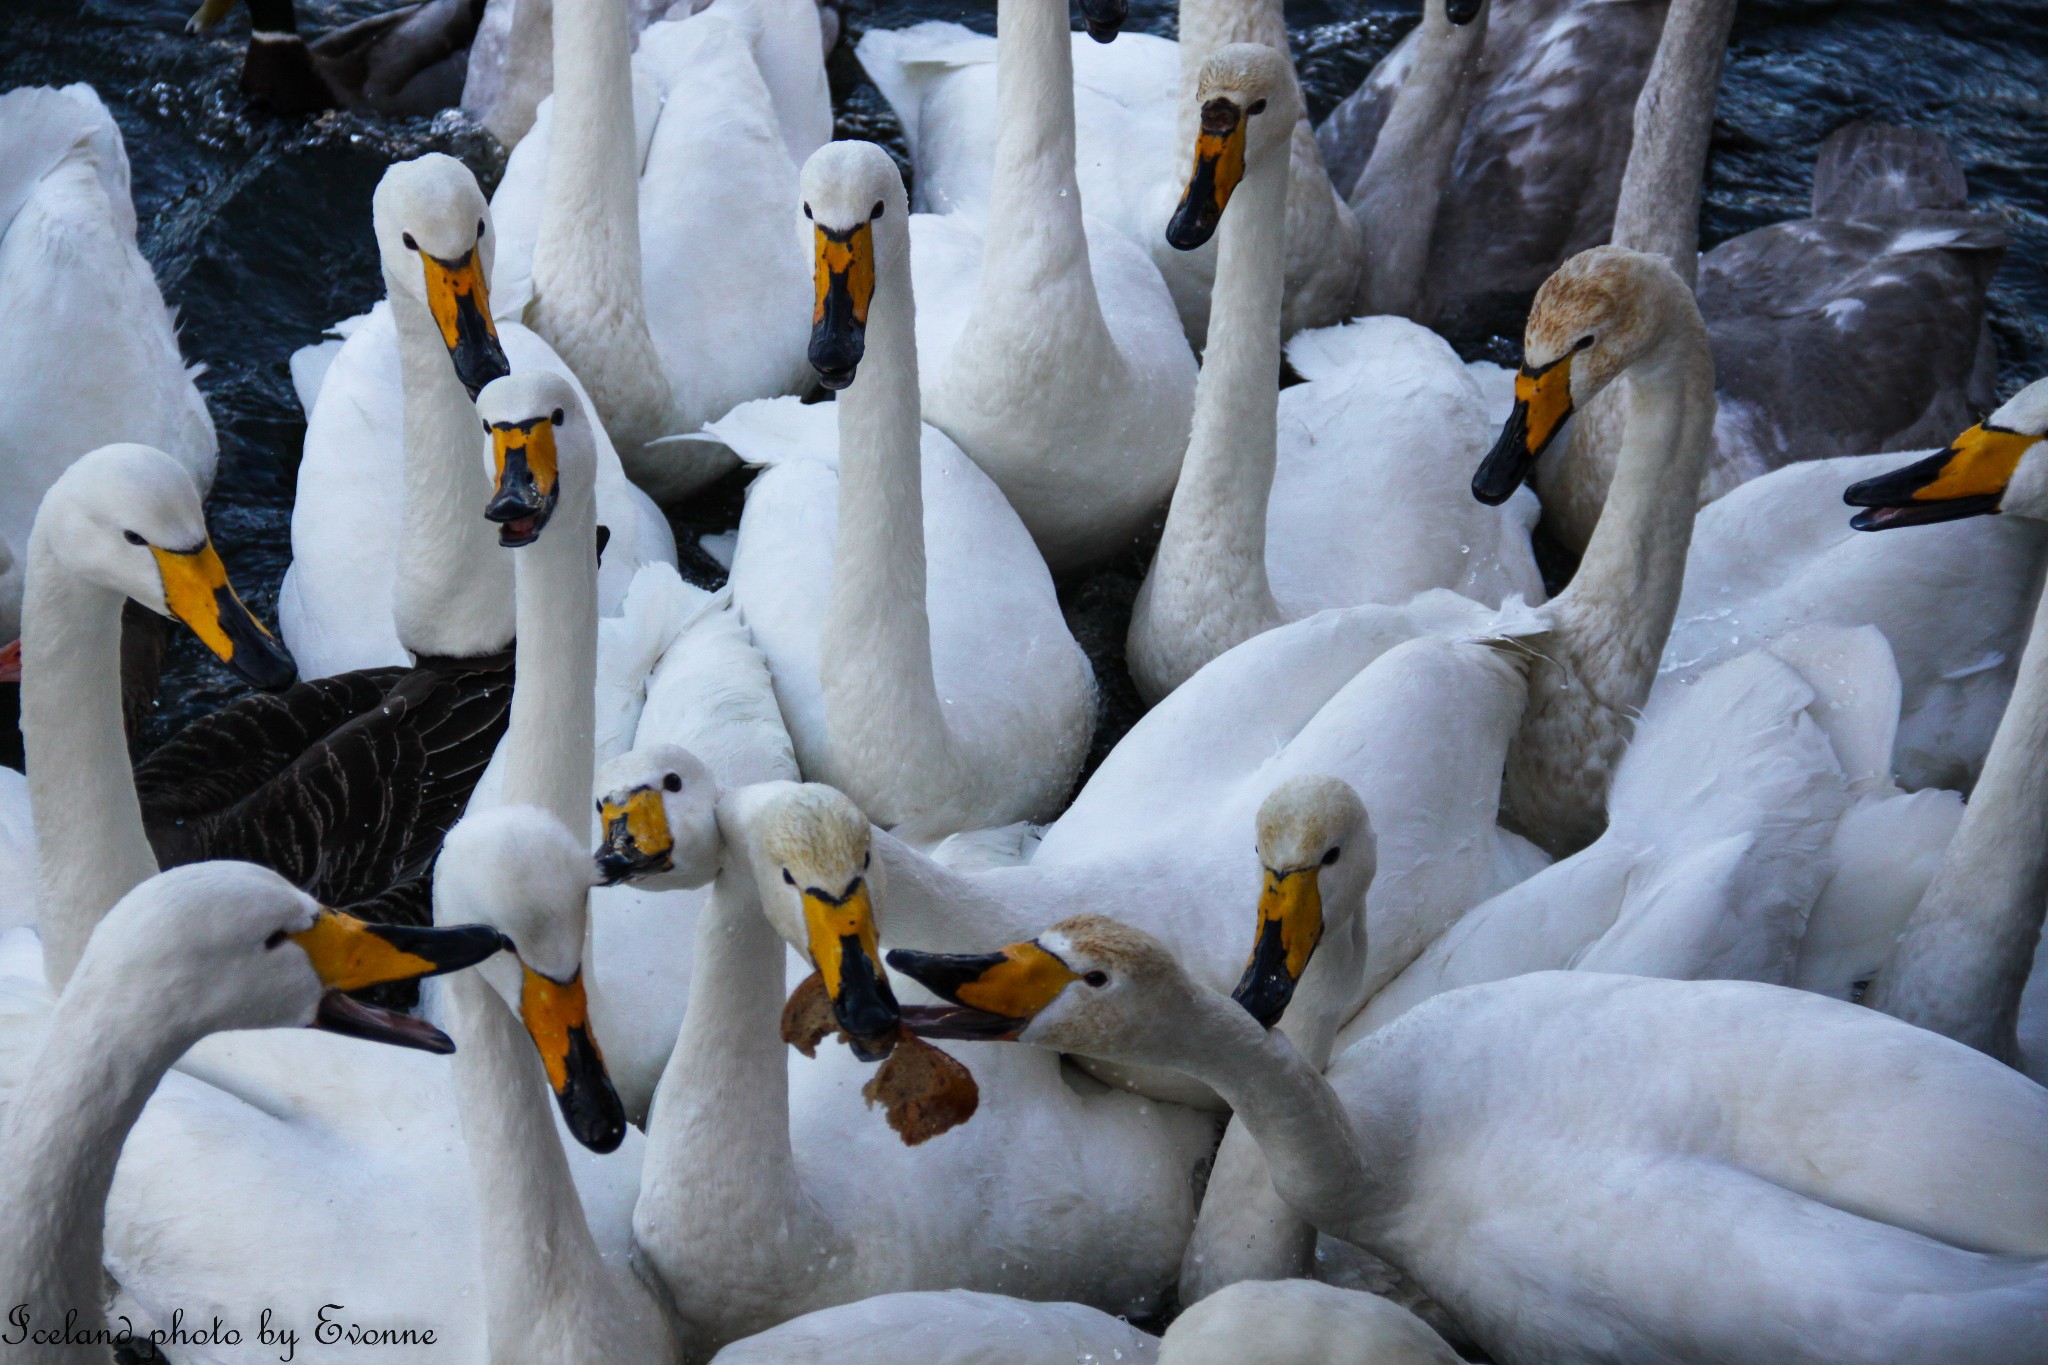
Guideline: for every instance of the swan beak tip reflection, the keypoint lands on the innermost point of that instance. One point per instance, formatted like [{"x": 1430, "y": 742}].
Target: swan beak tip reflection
[
  {"x": 1219, "y": 165},
  {"x": 844, "y": 949},
  {"x": 1968, "y": 479},
  {"x": 995, "y": 995},
  {"x": 349, "y": 954},
  {"x": 1543, "y": 400},
  {"x": 527, "y": 486},
  {"x": 197, "y": 592},
  {"x": 1290, "y": 927},
  {"x": 557, "y": 1016},
  {"x": 460, "y": 303},
  {"x": 637, "y": 840},
  {"x": 1105, "y": 18},
  {"x": 845, "y": 289}
]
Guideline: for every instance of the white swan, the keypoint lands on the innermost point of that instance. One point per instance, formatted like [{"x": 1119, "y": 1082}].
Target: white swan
[
  {"x": 392, "y": 436},
  {"x": 86, "y": 344},
  {"x": 1300, "y": 1322},
  {"x": 657, "y": 253},
  {"x": 1580, "y": 1166},
  {"x": 1048, "y": 347},
  {"x": 953, "y": 1327},
  {"x": 940, "y": 700},
  {"x": 1134, "y": 137},
  {"x": 1962, "y": 962},
  {"x": 1351, "y": 489},
  {"x": 190, "y": 952}
]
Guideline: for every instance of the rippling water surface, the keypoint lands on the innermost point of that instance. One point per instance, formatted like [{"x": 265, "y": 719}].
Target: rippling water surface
[{"x": 259, "y": 231}]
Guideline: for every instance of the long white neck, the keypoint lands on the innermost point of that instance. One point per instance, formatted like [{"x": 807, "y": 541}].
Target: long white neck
[
  {"x": 1035, "y": 252},
  {"x": 722, "y": 1215},
  {"x": 1659, "y": 207},
  {"x": 890, "y": 750},
  {"x": 454, "y": 586},
  {"x": 550, "y": 1293},
  {"x": 1207, "y": 589},
  {"x": 1398, "y": 192},
  {"x": 90, "y": 846},
  {"x": 1963, "y": 960},
  {"x": 549, "y": 743},
  {"x": 58, "y": 1147},
  {"x": 588, "y": 300}
]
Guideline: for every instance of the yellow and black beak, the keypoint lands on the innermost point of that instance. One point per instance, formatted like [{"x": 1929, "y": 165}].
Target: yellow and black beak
[
  {"x": 1543, "y": 399},
  {"x": 841, "y": 930},
  {"x": 1105, "y": 18},
  {"x": 1290, "y": 927},
  {"x": 461, "y": 305},
  {"x": 845, "y": 288},
  {"x": 197, "y": 592},
  {"x": 1219, "y": 165},
  {"x": 997, "y": 995},
  {"x": 1966, "y": 480},
  {"x": 349, "y": 954},
  {"x": 637, "y": 841},
  {"x": 527, "y": 486},
  {"x": 557, "y": 1015},
  {"x": 208, "y": 14}
]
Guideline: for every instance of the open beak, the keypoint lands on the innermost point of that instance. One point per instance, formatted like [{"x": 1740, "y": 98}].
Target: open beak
[
  {"x": 1104, "y": 18},
  {"x": 197, "y": 592},
  {"x": 637, "y": 842},
  {"x": 1219, "y": 165},
  {"x": 461, "y": 305},
  {"x": 843, "y": 943},
  {"x": 557, "y": 1016},
  {"x": 349, "y": 954},
  {"x": 1543, "y": 399},
  {"x": 527, "y": 489},
  {"x": 1290, "y": 927},
  {"x": 996, "y": 995},
  {"x": 1966, "y": 480},
  {"x": 845, "y": 288}
]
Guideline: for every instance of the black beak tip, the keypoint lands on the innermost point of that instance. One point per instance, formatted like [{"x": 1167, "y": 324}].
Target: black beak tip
[
  {"x": 589, "y": 1102},
  {"x": 1461, "y": 12},
  {"x": 1188, "y": 231},
  {"x": 266, "y": 667},
  {"x": 834, "y": 379}
]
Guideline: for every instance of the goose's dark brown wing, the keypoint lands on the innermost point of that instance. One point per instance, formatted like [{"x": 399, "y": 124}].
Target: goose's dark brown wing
[
  {"x": 410, "y": 60},
  {"x": 344, "y": 785}
]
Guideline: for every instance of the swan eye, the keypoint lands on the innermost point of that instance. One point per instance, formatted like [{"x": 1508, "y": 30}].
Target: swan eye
[
  {"x": 786, "y": 877},
  {"x": 277, "y": 936},
  {"x": 1582, "y": 343},
  {"x": 410, "y": 244},
  {"x": 558, "y": 417},
  {"x": 879, "y": 206},
  {"x": 1258, "y": 107},
  {"x": 1332, "y": 856},
  {"x": 479, "y": 229},
  {"x": 672, "y": 783},
  {"x": 807, "y": 212},
  {"x": 1097, "y": 979},
  {"x": 132, "y": 538}
]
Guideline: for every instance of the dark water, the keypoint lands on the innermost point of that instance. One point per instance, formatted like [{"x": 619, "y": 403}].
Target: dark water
[{"x": 259, "y": 231}]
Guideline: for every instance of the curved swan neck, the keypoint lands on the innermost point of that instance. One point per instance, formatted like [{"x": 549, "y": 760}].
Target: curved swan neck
[
  {"x": 62, "y": 1137},
  {"x": 1962, "y": 963},
  {"x": 453, "y": 595},
  {"x": 549, "y": 753},
  {"x": 91, "y": 848},
  {"x": 1398, "y": 193},
  {"x": 881, "y": 700},
  {"x": 1659, "y": 207},
  {"x": 721, "y": 1204}
]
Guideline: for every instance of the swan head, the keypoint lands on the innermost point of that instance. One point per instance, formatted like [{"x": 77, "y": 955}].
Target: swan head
[
  {"x": 859, "y": 215},
  {"x": 520, "y": 871},
  {"x": 224, "y": 945},
  {"x": 658, "y": 807},
  {"x": 541, "y": 452},
  {"x": 1249, "y": 108},
  {"x": 127, "y": 518},
  {"x": 819, "y": 881},
  {"x": 1999, "y": 465},
  {"x": 1603, "y": 311},
  {"x": 1318, "y": 856},
  {"x": 433, "y": 235}
]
